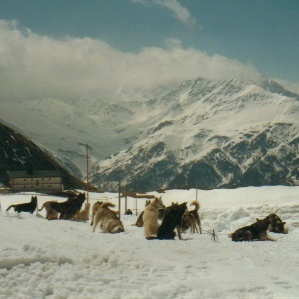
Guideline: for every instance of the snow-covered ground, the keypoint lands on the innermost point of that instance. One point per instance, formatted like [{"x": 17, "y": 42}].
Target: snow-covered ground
[{"x": 64, "y": 259}]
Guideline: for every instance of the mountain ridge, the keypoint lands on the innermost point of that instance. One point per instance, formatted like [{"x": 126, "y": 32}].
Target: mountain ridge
[
  {"x": 161, "y": 138},
  {"x": 203, "y": 123}
]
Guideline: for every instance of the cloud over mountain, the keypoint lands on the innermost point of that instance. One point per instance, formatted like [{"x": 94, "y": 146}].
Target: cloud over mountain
[{"x": 34, "y": 66}]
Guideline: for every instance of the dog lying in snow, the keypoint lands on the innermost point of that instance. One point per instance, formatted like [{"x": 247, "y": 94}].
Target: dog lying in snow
[
  {"x": 107, "y": 219},
  {"x": 150, "y": 217},
  {"x": 259, "y": 229},
  {"x": 82, "y": 215},
  {"x": 25, "y": 207}
]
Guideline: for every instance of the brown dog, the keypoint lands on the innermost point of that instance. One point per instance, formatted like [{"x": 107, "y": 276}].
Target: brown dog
[
  {"x": 150, "y": 217},
  {"x": 107, "y": 219},
  {"x": 95, "y": 208},
  {"x": 51, "y": 214},
  {"x": 191, "y": 219},
  {"x": 82, "y": 215}
]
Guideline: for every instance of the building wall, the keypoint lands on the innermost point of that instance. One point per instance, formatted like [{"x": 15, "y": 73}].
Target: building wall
[{"x": 36, "y": 184}]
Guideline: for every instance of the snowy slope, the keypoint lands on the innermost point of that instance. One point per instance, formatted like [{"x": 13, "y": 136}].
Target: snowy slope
[
  {"x": 64, "y": 259},
  {"x": 223, "y": 131},
  {"x": 213, "y": 133}
]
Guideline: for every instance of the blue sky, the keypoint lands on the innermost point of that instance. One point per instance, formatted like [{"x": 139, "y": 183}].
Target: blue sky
[{"x": 241, "y": 36}]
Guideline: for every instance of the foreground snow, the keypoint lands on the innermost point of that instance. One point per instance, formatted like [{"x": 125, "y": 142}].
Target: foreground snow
[{"x": 64, "y": 259}]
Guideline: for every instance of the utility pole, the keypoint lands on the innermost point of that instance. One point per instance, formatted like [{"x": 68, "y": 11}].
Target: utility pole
[
  {"x": 87, "y": 148},
  {"x": 119, "y": 205},
  {"x": 126, "y": 199}
]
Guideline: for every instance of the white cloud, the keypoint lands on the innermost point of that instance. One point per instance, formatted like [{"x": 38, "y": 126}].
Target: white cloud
[
  {"x": 34, "y": 66},
  {"x": 179, "y": 12},
  {"x": 291, "y": 86}
]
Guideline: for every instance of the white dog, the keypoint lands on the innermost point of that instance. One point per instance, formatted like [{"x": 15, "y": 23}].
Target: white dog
[{"x": 150, "y": 218}]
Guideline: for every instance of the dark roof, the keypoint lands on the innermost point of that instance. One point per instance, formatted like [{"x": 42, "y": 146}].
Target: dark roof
[{"x": 34, "y": 174}]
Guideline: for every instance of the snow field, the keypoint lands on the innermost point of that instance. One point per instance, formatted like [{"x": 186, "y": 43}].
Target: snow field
[{"x": 64, "y": 259}]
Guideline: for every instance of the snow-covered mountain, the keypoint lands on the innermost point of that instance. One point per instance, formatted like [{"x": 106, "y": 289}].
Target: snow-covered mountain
[
  {"x": 202, "y": 132},
  {"x": 211, "y": 134},
  {"x": 103, "y": 123}
]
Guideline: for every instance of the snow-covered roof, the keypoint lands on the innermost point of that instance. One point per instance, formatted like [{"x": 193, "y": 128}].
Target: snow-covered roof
[{"x": 34, "y": 173}]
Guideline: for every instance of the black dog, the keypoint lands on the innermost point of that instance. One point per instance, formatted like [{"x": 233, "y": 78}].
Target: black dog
[
  {"x": 25, "y": 207},
  {"x": 128, "y": 212},
  {"x": 171, "y": 221},
  {"x": 72, "y": 206}
]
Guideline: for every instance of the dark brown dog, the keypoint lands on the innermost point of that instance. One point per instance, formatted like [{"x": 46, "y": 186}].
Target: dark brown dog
[
  {"x": 67, "y": 209},
  {"x": 72, "y": 206},
  {"x": 191, "y": 219},
  {"x": 25, "y": 207},
  {"x": 277, "y": 225},
  {"x": 255, "y": 231}
]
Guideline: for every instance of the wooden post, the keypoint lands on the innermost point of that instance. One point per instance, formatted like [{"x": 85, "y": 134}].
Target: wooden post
[
  {"x": 119, "y": 205},
  {"x": 87, "y": 172},
  {"x": 87, "y": 147},
  {"x": 126, "y": 199}
]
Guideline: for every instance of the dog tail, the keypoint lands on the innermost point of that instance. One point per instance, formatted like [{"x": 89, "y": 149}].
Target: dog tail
[
  {"x": 196, "y": 205},
  {"x": 107, "y": 204},
  {"x": 41, "y": 207},
  {"x": 9, "y": 207}
]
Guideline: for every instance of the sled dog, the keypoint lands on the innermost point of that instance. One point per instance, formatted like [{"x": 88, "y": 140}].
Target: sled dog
[
  {"x": 171, "y": 221},
  {"x": 107, "y": 219},
  {"x": 150, "y": 217},
  {"x": 25, "y": 207}
]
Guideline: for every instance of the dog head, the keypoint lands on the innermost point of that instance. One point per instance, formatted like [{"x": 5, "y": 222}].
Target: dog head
[
  {"x": 33, "y": 199},
  {"x": 177, "y": 210},
  {"x": 187, "y": 220},
  {"x": 157, "y": 203},
  {"x": 277, "y": 224},
  {"x": 119, "y": 228}
]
